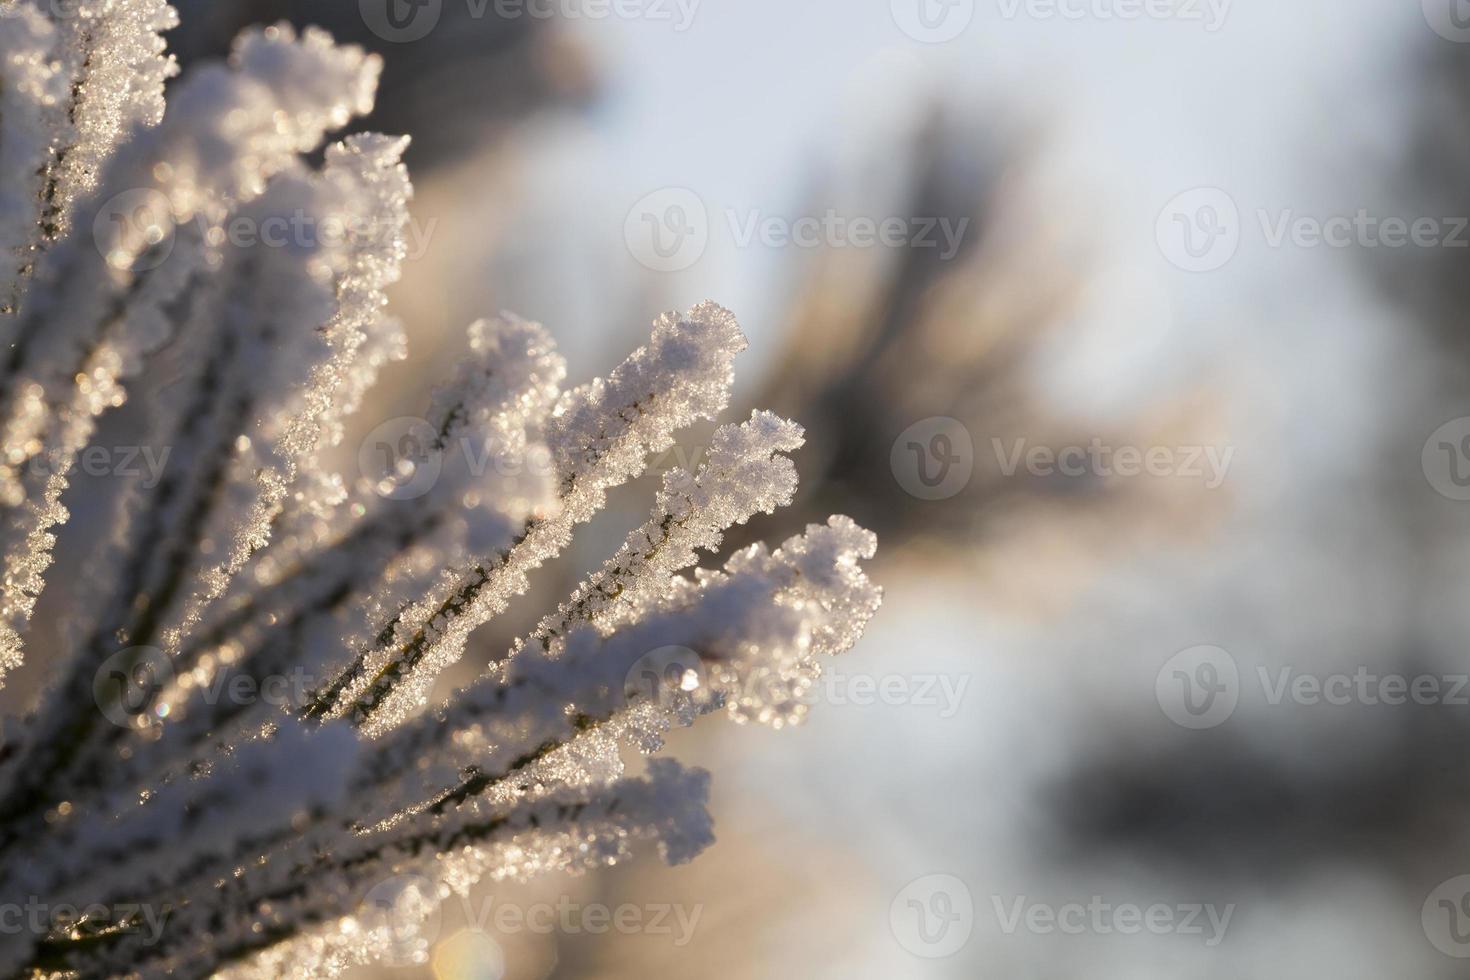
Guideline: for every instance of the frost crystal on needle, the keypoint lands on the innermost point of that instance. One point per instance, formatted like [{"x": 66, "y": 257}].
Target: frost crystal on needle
[{"x": 263, "y": 833}]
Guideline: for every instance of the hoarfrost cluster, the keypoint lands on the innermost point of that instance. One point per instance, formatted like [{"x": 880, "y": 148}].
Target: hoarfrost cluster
[{"x": 250, "y": 830}]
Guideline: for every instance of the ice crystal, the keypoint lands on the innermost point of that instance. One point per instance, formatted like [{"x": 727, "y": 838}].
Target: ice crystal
[{"x": 258, "y": 833}]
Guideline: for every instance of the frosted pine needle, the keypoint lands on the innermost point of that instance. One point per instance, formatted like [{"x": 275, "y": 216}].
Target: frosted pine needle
[{"x": 252, "y": 836}]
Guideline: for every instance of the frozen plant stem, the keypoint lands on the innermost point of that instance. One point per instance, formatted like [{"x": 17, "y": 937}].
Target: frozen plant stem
[{"x": 255, "y": 831}]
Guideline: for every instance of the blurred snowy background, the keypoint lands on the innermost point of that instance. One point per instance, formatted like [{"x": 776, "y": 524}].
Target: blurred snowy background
[{"x": 1083, "y": 738}]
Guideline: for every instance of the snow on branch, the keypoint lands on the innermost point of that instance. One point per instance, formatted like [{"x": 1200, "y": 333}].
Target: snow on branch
[{"x": 252, "y": 837}]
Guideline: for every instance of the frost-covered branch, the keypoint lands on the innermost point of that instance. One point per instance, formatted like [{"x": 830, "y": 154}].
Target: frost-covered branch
[
  {"x": 100, "y": 303},
  {"x": 234, "y": 834}
]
